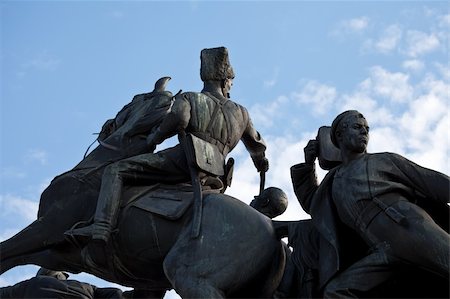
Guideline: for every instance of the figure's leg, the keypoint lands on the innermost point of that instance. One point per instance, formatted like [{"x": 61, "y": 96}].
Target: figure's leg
[
  {"x": 363, "y": 276},
  {"x": 109, "y": 197},
  {"x": 142, "y": 169},
  {"x": 418, "y": 240}
]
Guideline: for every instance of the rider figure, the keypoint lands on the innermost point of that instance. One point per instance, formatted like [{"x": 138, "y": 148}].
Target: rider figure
[{"x": 209, "y": 115}]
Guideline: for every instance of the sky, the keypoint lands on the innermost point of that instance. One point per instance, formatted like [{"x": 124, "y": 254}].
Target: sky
[{"x": 67, "y": 66}]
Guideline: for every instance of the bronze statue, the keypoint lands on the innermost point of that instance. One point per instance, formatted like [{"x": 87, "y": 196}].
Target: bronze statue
[
  {"x": 272, "y": 202},
  {"x": 151, "y": 246},
  {"x": 54, "y": 284},
  {"x": 374, "y": 198},
  {"x": 209, "y": 117}
]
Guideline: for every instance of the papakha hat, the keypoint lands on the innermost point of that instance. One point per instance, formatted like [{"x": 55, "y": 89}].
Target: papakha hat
[{"x": 215, "y": 64}]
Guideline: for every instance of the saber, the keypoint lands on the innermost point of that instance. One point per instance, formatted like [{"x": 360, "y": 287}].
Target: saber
[
  {"x": 262, "y": 181},
  {"x": 196, "y": 186}
]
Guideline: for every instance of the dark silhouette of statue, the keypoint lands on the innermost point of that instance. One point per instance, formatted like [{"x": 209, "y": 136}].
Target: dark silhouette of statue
[
  {"x": 368, "y": 213},
  {"x": 210, "y": 118},
  {"x": 167, "y": 231},
  {"x": 54, "y": 284},
  {"x": 272, "y": 202}
]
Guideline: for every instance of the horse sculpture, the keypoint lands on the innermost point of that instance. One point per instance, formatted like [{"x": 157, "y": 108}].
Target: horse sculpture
[{"x": 236, "y": 255}]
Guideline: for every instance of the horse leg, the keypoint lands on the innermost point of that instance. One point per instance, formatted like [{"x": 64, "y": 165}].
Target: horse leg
[
  {"x": 189, "y": 280},
  {"x": 234, "y": 255},
  {"x": 195, "y": 288},
  {"x": 149, "y": 294},
  {"x": 31, "y": 238},
  {"x": 67, "y": 260},
  {"x": 48, "y": 230}
]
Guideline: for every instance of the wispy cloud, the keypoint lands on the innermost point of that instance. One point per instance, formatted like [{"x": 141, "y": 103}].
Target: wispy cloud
[
  {"x": 393, "y": 86},
  {"x": 12, "y": 173},
  {"x": 444, "y": 21},
  {"x": 116, "y": 14},
  {"x": 443, "y": 70},
  {"x": 15, "y": 206},
  {"x": 351, "y": 26},
  {"x": 420, "y": 43},
  {"x": 265, "y": 114},
  {"x": 319, "y": 95},
  {"x": 272, "y": 81},
  {"x": 414, "y": 65},
  {"x": 36, "y": 155},
  {"x": 42, "y": 62},
  {"x": 389, "y": 39}
]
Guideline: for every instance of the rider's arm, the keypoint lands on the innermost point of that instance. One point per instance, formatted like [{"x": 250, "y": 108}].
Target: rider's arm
[
  {"x": 254, "y": 143},
  {"x": 177, "y": 120}
]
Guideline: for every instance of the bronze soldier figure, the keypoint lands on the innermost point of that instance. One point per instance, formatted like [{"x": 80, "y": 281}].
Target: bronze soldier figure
[
  {"x": 375, "y": 196},
  {"x": 54, "y": 284},
  {"x": 209, "y": 116}
]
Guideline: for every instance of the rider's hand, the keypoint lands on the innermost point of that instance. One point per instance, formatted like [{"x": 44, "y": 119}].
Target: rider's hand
[
  {"x": 262, "y": 165},
  {"x": 311, "y": 151}
]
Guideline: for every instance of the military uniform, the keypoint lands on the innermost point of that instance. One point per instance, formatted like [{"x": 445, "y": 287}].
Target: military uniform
[{"x": 209, "y": 116}]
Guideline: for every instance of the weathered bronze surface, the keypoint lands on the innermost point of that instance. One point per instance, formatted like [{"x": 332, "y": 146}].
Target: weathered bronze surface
[
  {"x": 160, "y": 221},
  {"x": 144, "y": 216},
  {"x": 375, "y": 215}
]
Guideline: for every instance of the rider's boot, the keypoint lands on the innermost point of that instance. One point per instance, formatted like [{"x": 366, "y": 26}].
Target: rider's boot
[
  {"x": 105, "y": 215},
  {"x": 98, "y": 232}
]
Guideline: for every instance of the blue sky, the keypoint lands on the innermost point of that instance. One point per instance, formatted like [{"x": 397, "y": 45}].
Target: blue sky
[{"x": 67, "y": 66}]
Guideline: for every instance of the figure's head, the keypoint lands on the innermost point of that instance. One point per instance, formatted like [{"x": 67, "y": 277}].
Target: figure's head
[
  {"x": 215, "y": 66},
  {"x": 350, "y": 130},
  {"x": 55, "y": 274},
  {"x": 272, "y": 202}
]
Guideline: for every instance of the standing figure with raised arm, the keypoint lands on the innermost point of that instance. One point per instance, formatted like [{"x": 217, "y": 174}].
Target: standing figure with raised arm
[{"x": 374, "y": 195}]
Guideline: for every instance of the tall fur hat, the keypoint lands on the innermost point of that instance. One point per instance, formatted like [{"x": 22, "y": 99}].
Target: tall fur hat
[{"x": 215, "y": 64}]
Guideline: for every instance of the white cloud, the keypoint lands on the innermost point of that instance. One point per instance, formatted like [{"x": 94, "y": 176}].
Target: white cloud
[
  {"x": 425, "y": 114},
  {"x": 389, "y": 39},
  {"x": 263, "y": 115},
  {"x": 355, "y": 25},
  {"x": 419, "y": 43},
  {"x": 444, "y": 21},
  {"x": 321, "y": 96},
  {"x": 360, "y": 101},
  {"x": 443, "y": 70},
  {"x": 282, "y": 152},
  {"x": 19, "y": 207},
  {"x": 392, "y": 86},
  {"x": 414, "y": 65}
]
